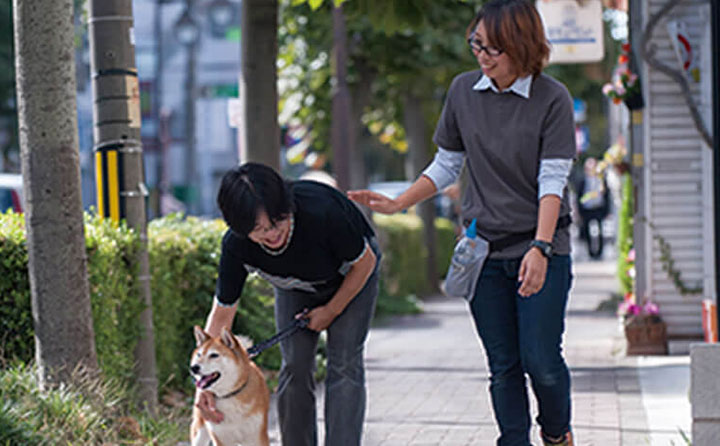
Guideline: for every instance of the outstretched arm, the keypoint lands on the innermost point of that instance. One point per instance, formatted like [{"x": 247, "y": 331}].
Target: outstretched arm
[{"x": 422, "y": 189}]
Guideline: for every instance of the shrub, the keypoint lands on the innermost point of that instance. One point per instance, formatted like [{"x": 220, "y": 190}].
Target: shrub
[
  {"x": 625, "y": 237},
  {"x": 114, "y": 301},
  {"x": 86, "y": 412},
  {"x": 405, "y": 255},
  {"x": 184, "y": 256}
]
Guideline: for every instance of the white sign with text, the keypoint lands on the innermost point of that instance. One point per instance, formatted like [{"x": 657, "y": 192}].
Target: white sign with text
[{"x": 574, "y": 29}]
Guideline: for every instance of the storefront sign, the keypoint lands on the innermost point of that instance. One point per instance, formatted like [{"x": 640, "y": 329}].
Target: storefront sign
[{"x": 574, "y": 29}]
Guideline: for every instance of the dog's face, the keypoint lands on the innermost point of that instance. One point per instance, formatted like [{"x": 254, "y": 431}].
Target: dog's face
[{"x": 217, "y": 364}]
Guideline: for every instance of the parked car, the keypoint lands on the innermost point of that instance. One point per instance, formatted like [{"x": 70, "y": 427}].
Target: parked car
[{"x": 11, "y": 193}]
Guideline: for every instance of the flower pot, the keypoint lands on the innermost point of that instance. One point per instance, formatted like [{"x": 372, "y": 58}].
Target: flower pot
[{"x": 646, "y": 336}]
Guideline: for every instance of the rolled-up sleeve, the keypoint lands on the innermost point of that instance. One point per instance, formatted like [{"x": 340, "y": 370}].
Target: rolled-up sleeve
[
  {"x": 445, "y": 168},
  {"x": 553, "y": 176}
]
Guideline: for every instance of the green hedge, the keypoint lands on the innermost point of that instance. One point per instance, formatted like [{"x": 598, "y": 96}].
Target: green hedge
[
  {"x": 625, "y": 236},
  {"x": 184, "y": 255},
  {"x": 405, "y": 254}
]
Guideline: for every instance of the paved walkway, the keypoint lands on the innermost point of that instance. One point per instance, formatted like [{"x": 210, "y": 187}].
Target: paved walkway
[{"x": 428, "y": 381}]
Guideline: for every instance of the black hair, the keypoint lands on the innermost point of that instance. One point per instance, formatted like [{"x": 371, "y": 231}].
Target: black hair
[{"x": 248, "y": 189}]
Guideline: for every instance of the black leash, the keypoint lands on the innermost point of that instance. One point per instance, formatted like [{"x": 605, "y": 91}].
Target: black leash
[{"x": 288, "y": 331}]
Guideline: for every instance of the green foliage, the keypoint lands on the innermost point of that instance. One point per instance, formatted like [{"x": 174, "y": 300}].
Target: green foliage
[
  {"x": 85, "y": 412},
  {"x": 8, "y": 115},
  {"x": 114, "y": 300},
  {"x": 625, "y": 236},
  {"x": 16, "y": 333},
  {"x": 418, "y": 54},
  {"x": 405, "y": 256},
  {"x": 184, "y": 257},
  {"x": 668, "y": 265}
]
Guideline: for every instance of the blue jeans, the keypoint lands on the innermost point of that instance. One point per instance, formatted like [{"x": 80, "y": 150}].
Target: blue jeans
[
  {"x": 345, "y": 395},
  {"x": 523, "y": 335}
]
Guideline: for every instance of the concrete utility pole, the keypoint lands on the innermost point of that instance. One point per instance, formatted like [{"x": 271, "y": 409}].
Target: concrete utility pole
[{"x": 119, "y": 172}]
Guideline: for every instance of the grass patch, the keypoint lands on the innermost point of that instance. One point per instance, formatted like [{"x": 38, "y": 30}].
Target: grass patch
[{"x": 87, "y": 412}]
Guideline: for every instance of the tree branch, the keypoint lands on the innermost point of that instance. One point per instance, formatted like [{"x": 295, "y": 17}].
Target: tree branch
[{"x": 647, "y": 52}]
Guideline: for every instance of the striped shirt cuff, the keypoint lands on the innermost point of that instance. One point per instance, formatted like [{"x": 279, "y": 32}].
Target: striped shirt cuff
[
  {"x": 445, "y": 168},
  {"x": 553, "y": 176}
]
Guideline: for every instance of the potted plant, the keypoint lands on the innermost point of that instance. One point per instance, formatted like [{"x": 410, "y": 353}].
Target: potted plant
[
  {"x": 645, "y": 331},
  {"x": 626, "y": 84}
]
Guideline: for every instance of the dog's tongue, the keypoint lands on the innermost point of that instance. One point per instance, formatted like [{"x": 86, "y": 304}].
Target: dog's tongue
[{"x": 205, "y": 381}]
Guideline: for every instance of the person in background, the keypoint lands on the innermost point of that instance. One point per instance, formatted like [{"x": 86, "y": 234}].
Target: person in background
[
  {"x": 513, "y": 126},
  {"x": 593, "y": 205},
  {"x": 319, "y": 252}
]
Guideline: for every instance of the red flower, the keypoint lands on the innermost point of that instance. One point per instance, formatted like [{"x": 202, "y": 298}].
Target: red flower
[
  {"x": 626, "y": 47},
  {"x": 623, "y": 58}
]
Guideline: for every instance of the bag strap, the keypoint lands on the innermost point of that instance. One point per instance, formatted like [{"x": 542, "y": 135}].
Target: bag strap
[{"x": 511, "y": 239}]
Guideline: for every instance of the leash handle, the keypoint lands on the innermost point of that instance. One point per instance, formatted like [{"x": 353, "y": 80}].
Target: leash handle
[{"x": 288, "y": 331}]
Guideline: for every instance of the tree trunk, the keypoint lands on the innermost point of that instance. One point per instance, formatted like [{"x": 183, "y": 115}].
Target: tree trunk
[
  {"x": 418, "y": 158},
  {"x": 259, "y": 131},
  {"x": 361, "y": 96},
  {"x": 57, "y": 262},
  {"x": 116, "y": 133},
  {"x": 340, "y": 134}
]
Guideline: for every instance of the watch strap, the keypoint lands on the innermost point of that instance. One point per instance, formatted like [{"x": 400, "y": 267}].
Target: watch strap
[{"x": 544, "y": 247}]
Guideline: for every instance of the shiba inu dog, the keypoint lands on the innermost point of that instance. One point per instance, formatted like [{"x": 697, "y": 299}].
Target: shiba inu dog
[{"x": 221, "y": 365}]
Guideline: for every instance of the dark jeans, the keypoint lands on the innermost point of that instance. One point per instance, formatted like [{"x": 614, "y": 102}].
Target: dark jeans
[
  {"x": 594, "y": 241},
  {"x": 345, "y": 395},
  {"x": 523, "y": 336}
]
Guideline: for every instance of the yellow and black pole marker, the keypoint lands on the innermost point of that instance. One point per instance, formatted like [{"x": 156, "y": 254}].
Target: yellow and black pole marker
[
  {"x": 108, "y": 182},
  {"x": 120, "y": 177}
]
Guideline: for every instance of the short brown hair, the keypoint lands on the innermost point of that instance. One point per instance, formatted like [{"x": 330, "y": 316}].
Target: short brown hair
[{"x": 516, "y": 27}]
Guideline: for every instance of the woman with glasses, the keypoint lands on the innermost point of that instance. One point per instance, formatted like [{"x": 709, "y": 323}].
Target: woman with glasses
[
  {"x": 319, "y": 252},
  {"x": 513, "y": 127}
]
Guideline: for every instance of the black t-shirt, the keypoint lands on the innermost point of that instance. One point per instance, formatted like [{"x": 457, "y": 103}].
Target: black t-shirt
[{"x": 328, "y": 236}]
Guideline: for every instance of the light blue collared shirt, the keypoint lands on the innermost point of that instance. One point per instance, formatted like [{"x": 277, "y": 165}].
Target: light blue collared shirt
[
  {"x": 447, "y": 164},
  {"x": 520, "y": 87}
]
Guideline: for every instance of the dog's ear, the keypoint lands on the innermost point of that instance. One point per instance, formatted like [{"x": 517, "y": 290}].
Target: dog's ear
[
  {"x": 228, "y": 339},
  {"x": 200, "y": 335}
]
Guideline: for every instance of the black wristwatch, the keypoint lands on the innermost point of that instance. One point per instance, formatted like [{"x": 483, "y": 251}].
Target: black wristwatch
[{"x": 545, "y": 248}]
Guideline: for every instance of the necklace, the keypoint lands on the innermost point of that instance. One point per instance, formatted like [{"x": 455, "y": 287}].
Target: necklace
[{"x": 284, "y": 247}]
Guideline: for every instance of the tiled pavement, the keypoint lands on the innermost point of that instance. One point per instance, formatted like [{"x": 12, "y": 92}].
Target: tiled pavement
[{"x": 428, "y": 381}]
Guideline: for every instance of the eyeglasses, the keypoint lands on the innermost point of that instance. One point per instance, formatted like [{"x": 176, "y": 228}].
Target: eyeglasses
[
  {"x": 478, "y": 48},
  {"x": 259, "y": 231}
]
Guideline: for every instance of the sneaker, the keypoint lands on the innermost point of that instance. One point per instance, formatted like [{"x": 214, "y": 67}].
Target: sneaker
[{"x": 565, "y": 440}]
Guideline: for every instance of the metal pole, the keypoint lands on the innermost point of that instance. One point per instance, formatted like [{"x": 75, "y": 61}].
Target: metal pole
[
  {"x": 637, "y": 171},
  {"x": 157, "y": 104},
  {"x": 715, "y": 26},
  {"x": 118, "y": 153},
  {"x": 190, "y": 124}
]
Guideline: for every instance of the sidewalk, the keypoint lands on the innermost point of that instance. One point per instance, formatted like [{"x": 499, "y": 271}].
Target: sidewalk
[{"x": 428, "y": 381}]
